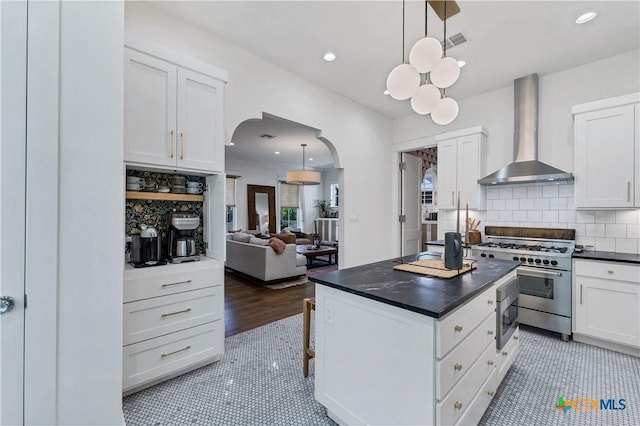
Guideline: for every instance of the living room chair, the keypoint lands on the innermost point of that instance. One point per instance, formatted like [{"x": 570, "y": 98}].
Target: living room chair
[{"x": 308, "y": 305}]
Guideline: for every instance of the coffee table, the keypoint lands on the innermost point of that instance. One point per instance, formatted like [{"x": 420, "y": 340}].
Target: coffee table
[{"x": 311, "y": 254}]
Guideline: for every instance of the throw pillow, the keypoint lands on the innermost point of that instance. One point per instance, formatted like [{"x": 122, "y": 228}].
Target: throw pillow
[
  {"x": 277, "y": 245},
  {"x": 241, "y": 237},
  {"x": 258, "y": 241},
  {"x": 287, "y": 238},
  {"x": 300, "y": 234}
]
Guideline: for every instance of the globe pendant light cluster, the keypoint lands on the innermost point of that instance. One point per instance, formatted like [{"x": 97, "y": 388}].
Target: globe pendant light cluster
[{"x": 429, "y": 70}]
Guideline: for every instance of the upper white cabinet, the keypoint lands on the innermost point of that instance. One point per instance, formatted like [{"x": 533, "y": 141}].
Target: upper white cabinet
[
  {"x": 461, "y": 162},
  {"x": 173, "y": 115},
  {"x": 607, "y": 151}
]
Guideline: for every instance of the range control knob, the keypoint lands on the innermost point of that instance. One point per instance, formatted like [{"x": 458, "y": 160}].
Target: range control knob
[
  {"x": 530, "y": 260},
  {"x": 483, "y": 255},
  {"x": 491, "y": 256},
  {"x": 554, "y": 262},
  {"x": 546, "y": 262},
  {"x": 516, "y": 258},
  {"x": 538, "y": 261},
  {"x": 522, "y": 259}
]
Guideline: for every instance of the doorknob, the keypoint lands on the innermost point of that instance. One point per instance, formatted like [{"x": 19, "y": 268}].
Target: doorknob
[{"x": 6, "y": 304}]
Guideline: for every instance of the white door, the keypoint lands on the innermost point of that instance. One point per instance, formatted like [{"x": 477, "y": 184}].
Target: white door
[
  {"x": 199, "y": 112},
  {"x": 13, "y": 88},
  {"x": 150, "y": 110},
  {"x": 411, "y": 179},
  {"x": 447, "y": 173}
]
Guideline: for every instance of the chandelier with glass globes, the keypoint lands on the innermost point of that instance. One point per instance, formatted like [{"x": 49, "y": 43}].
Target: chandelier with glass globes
[{"x": 426, "y": 77}]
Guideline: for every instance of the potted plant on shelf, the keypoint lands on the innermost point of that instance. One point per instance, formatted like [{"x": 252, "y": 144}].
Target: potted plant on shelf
[{"x": 323, "y": 207}]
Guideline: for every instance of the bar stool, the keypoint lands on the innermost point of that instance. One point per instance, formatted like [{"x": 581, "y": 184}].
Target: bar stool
[{"x": 307, "y": 353}]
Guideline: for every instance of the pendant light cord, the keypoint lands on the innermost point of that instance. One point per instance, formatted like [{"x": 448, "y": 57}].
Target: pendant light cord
[
  {"x": 426, "y": 4},
  {"x": 403, "y": 32},
  {"x": 444, "y": 42}
]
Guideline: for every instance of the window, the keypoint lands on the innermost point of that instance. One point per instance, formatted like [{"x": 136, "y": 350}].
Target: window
[
  {"x": 230, "y": 201},
  {"x": 289, "y": 202},
  {"x": 427, "y": 190},
  {"x": 335, "y": 195}
]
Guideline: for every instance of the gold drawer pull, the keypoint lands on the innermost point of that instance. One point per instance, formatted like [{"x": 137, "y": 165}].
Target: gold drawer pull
[
  {"x": 179, "y": 282},
  {"x": 515, "y": 337},
  {"x": 490, "y": 302},
  {"x": 181, "y": 146},
  {"x": 610, "y": 271},
  {"x": 176, "y": 313},
  {"x": 505, "y": 353},
  {"x": 489, "y": 362},
  {"x": 457, "y": 328},
  {"x": 457, "y": 405},
  {"x": 186, "y": 348},
  {"x": 491, "y": 392},
  {"x": 489, "y": 332},
  {"x": 173, "y": 143},
  {"x": 457, "y": 367}
]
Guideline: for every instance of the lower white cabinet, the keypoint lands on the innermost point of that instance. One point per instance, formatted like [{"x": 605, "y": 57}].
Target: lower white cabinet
[
  {"x": 173, "y": 321},
  {"x": 607, "y": 304}
]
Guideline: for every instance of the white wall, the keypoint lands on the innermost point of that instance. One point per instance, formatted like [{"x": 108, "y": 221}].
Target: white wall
[
  {"x": 361, "y": 137},
  {"x": 91, "y": 219}
]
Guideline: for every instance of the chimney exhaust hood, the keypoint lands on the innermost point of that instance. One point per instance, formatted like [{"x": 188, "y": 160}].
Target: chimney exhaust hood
[{"x": 525, "y": 167}]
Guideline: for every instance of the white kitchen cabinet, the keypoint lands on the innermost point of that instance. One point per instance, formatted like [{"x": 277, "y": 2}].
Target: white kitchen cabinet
[
  {"x": 461, "y": 162},
  {"x": 173, "y": 115},
  {"x": 607, "y": 151},
  {"x": 606, "y": 300}
]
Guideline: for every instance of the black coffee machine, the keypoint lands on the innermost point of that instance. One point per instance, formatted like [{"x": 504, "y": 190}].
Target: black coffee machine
[
  {"x": 181, "y": 237},
  {"x": 146, "y": 248}
]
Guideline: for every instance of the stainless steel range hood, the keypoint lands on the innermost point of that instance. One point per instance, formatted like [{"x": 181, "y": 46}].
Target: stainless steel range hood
[{"x": 525, "y": 167}]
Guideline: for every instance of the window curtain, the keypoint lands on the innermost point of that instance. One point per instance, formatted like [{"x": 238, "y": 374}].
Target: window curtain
[
  {"x": 289, "y": 195},
  {"x": 230, "y": 197}
]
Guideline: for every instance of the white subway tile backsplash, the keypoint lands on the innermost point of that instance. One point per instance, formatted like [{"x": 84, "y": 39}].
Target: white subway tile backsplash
[
  {"x": 534, "y": 216},
  {"x": 586, "y": 241},
  {"x": 627, "y": 245},
  {"x": 585, "y": 216},
  {"x": 558, "y": 203},
  {"x": 571, "y": 203},
  {"x": 594, "y": 230},
  {"x": 633, "y": 231},
  {"x": 520, "y": 192},
  {"x": 579, "y": 227},
  {"x": 568, "y": 216},
  {"x": 541, "y": 204},
  {"x": 506, "y": 193},
  {"x": 499, "y": 204},
  {"x": 605, "y": 216},
  {"x": 493, "y": 193},
  {"x": 565, "y": 190},
  {"x": 616, "y": 230},
  {"x": 606, "y": 244},
  {"x": 526, "y": 204},
  {"x": 520, "y": 215},
  {"x": 534, "y": 192},
  {"x": 493, "y": 216},
  {"x": 513, "y": 204},
  {"x": 627, "y": 216},
  {"x": 506, "y": 216},
  {"x": 550, "y": 216},
  {"x": 550, "y": 191}
]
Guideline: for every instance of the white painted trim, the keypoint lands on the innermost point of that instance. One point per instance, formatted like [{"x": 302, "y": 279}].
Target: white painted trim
[
  {"x": 161, "y": 52},
  {"x": 631, "y": 98},
  {"x": 41, "y": 280},
  {"x": 415, "y": 144},
  {"x": 463, "y": 132}
]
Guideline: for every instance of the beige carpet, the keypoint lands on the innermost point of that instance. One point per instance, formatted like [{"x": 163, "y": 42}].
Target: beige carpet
[{"x": 290, "y": 283}]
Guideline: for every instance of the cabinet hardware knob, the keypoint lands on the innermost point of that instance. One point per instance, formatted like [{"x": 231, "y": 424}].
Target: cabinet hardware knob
[
  {"x": 181, "y": 146},
  {"x": 489, "y": 332},
  {"x": 176, "y": 283},
  {"x": 515, "y": 337},
  {"x": 610, "y": 271},
  {"x": 184, "y": 311},
  {"x": 175, "y": 352},
  {"x": 457, "y": 328},
  {"x": 457, "y": 405},
  {"x": 490, "y": 362},
  {"x": 505, "y": 353},
  {"x": 490, "y": 302},
  {"x": 491, "y": 392},
  {"x": 457, "y": 367},
  {"x": 173, "y": 143}
]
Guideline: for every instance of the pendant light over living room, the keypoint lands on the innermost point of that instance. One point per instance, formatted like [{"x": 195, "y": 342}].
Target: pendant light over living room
[{"x": 303, "y": 177}]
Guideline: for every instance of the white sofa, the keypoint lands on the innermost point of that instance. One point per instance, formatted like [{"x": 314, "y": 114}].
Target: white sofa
[{"x": 263, "y": 263}]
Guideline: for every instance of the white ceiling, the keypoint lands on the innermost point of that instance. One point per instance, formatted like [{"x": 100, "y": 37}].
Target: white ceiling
[{"x": 506, "y": 39}]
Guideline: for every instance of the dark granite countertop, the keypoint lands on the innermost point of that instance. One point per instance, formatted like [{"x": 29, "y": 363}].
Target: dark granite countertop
[
  {"x": 434, "y": 297},
  {"x": 608, "y": 256}
]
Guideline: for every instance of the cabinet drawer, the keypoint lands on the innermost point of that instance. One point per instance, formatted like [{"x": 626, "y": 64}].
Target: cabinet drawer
[
  {"x": 455, "y": 327},
  {"x": 480, "y": 402},
  {"x": 449, "y": 410},
  {"x": 608, "y": 270},
  {"x": 456, "y": 364},
  {"x": 507, "y": 355},
  {"x": 152, "y": 359},
  {"x": 149, "y": 318},
  {"x": 170, "y": 279}
]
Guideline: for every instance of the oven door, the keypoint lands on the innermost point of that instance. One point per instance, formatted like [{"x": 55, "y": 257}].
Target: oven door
[
  {"x": 545, "y": 290},
  {"x": 507, "y": 318}
]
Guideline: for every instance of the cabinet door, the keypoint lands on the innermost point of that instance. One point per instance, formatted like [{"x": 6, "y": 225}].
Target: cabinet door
[
  {"x": 447, "y": 175},
  {"x": 608, "y": 310},
  {"x": 150, "y": 110},
  {"x": 469, "y": 171},
  {"x": 604, "y": 145},
  {"x": 200, "y": 145}
]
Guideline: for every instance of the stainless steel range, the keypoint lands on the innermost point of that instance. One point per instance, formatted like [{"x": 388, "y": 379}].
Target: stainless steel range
[{"x": 544, "y": 274}]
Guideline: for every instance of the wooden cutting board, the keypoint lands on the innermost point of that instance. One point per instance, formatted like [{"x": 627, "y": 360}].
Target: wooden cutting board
[{"x": 434, "y": 268}]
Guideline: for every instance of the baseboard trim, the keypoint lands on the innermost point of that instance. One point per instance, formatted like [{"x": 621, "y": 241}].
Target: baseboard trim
[{"x": 629, "y": 350}]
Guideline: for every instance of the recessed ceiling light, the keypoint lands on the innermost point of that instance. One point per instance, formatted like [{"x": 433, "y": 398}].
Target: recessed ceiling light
[
  {"x": 461, "y": 63},
  {"x": 277, "y": 152},
  {"x": 329, "y": 56},
  {"x": 310, "y": 159},
  {"x": 386, "y": 92},
  {"x": 585, "y": 17}
]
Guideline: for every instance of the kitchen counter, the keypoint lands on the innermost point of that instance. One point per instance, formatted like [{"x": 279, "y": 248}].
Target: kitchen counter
[
  {"x": 609, "y": 256},
  {"x": 431, "y": 296}
]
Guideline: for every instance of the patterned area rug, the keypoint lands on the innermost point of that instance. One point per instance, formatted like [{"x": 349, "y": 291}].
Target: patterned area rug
[
  {"x": 289, "y": 283},
  {"x": 259, "y": 382}
]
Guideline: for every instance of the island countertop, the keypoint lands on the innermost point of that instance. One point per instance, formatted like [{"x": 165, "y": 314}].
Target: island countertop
[{"x": 431, "y": 296}]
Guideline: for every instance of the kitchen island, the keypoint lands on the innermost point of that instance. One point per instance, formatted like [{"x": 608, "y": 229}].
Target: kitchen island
[{"x": 394, "y": 347}]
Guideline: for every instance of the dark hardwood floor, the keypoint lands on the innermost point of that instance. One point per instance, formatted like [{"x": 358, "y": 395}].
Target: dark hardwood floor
[{"x": 248, "y": 305}]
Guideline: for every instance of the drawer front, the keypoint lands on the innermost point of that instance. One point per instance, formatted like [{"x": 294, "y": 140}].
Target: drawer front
[
  {"x": 608, "y": 270},
  {"x": 152, "y": 359},
  {"x": 168, "y": 282},
  {"x": 480, "y": 402},
  {"x": 457, "y": 362},
  {"x": 453, "y": 328},
  {"x": 449, "y": 410},
  {"x": 507, "y": 355},
  {"x": 149, "y": 318}
]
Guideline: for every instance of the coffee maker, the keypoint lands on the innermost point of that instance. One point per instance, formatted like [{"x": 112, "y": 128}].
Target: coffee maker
[
  {"x": 181, "y": 238},
  {"x": 146, "y": 248}
]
